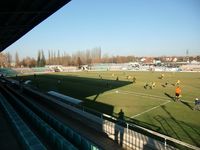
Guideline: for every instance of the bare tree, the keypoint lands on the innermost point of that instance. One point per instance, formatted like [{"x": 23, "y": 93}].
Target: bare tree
[
  {"x": 58, "y": 58},
  {"x": 39, "y": 59},
  {"x": 49, "y": 58},
  {"x": 9, "y": 59},
  {"x": 79, "y": 62},
  {"x": 17, "y": 59},
  {"x": 43, "y": 60},
  {"x": 3, "y": 60}
]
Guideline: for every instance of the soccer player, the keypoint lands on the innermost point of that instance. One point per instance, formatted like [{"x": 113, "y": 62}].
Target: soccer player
[
  {"x": 117, "y": 79},
  {"x": 128, "y": 77},
  {"x": 166, "y": 83},
  {"x": 153, "y": 85},
  {"x": 100, "y": 76},
  {"x": 162, "y": 76},
  {"x": 196, "y": 104},
  {"x": 134, "y": 79},
  {"x": 177, "y": 93},
  {"x": 178, "y": 82},
  {"x": 146, "y": 85}
]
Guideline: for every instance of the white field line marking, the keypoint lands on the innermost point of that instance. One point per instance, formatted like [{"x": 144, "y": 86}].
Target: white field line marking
[
  {"x": 150, "y": 109},
  {"x": 106, "y": 93},
  {"x": 143, "y": 96},
  {"x": 149, "y": 95},
  {"x": 102, "y": 94}
]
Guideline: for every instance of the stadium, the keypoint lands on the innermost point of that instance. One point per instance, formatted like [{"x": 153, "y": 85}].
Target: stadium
[{"x": 95, "y": 105}]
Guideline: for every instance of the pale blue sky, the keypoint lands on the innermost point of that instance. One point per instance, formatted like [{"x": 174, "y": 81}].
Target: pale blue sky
[{"x": 119, "y": 27}]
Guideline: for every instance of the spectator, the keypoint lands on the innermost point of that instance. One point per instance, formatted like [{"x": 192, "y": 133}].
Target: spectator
[{"x": 121, "y": 115}]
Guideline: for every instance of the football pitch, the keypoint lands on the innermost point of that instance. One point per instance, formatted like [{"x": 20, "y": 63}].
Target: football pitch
[{"x": 153, "y": 108}]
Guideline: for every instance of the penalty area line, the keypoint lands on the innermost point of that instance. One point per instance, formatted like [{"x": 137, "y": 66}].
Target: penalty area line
[
  {"x": 152, "y": 96},
  {"x": 150, "y": 109},
  {"x": 157, "y": 98}
]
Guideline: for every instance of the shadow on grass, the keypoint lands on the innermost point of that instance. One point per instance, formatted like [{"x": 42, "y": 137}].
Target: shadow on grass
[
  {"x": 194, "y": 130},
  {"x": 187, "y": 104},
  {"x": 179, "y": 124},
  {"x": 78, "y": 87},
  {"x": 167, "y": 129},
  {"x": 99, "y": 107},
  {"x": 140, "y": 123},
  {"x": 171, "y": 97}
]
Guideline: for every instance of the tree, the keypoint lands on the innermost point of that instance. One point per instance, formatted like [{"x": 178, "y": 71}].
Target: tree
[
  {"x": 88, "y": 57},
  {"x": 16, "y": 59},
  {"x": 49, "y": 58},
  {"x": 42, "y": 60},
  {"x": 3, "y": 60},
  {"x": 32, "y": 62},
  {"x": 54, "y": 58},
  {"x": 79, "y": 62},
  {"x": 58, "y": 58},
  {"x": 9, "y": 59},
  {"x": 27, "y": 62},
  {"x": 39, "y": 59}
]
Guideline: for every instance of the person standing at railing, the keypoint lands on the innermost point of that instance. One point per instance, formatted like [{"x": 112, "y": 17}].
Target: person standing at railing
[
  {"x": 121, "y": 115},
  {"x": 120, "y": 130}
]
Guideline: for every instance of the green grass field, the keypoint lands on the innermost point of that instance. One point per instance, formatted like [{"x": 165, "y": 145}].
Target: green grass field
[{"x": 152, "y": 108}]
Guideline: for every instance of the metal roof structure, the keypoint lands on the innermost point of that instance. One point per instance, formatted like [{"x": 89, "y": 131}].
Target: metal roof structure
[{"x": 17, "y": 17}]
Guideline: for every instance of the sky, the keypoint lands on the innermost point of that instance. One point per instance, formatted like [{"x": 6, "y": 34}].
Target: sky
[{"x": 119, "y": 27}]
